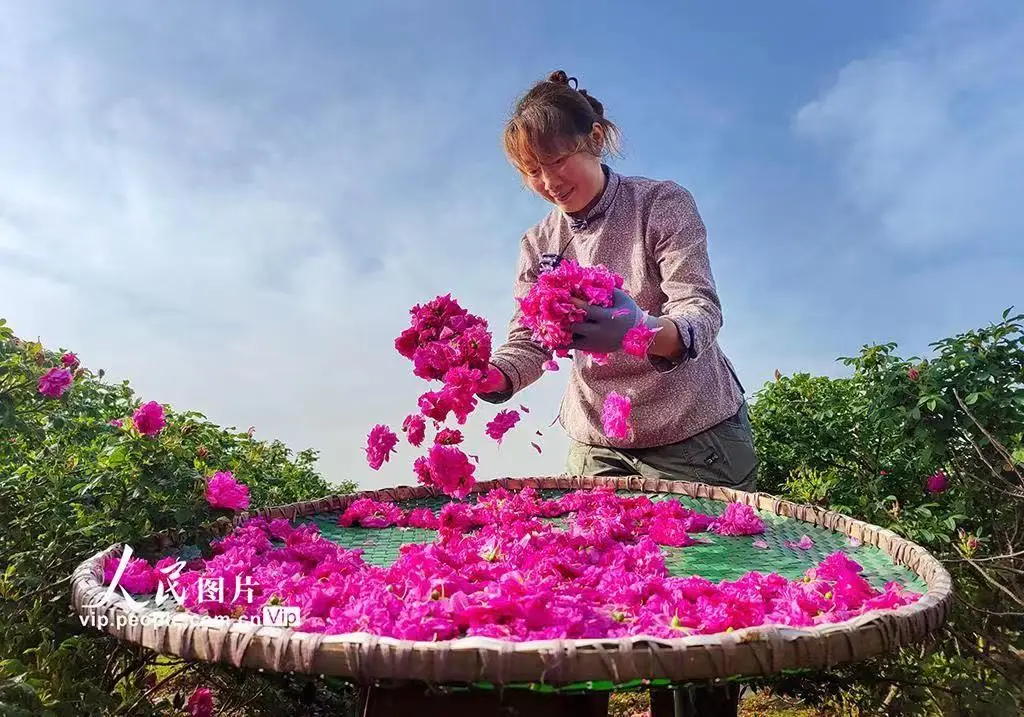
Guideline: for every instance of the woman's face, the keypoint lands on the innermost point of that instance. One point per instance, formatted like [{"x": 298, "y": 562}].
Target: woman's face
[{"x": 571, "y": 181}]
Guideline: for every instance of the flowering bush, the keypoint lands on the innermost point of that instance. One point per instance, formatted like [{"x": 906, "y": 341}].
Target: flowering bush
[
  {"x": 931, "y": 449},
  {"x": 497, "y": 570},
  {"x": 95, "y": 466}
]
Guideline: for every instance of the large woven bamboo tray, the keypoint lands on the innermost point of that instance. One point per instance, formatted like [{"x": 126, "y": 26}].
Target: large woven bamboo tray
[{"x": 585, "y": 664}]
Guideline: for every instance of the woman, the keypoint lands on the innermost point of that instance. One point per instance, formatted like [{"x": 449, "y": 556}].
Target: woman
[{"x": 689, "y": 417}]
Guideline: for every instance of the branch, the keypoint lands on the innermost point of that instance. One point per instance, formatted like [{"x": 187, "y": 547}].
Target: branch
[
  {"x": 974, "y": 607},
  {"x": 157, "y": 686},
  {"x": 1007, "y": 556},
  {"x": 994, "y": 582},
  {"x": 995, "y": 444}
]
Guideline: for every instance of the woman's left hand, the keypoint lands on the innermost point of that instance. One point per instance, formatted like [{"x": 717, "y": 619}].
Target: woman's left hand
[{"x": 603, "y": 329}]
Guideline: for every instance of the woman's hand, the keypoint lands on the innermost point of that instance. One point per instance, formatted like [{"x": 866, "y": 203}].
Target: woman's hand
[
  {"x": 495, "y": 381},
  {"x": 603, "y": 328}
]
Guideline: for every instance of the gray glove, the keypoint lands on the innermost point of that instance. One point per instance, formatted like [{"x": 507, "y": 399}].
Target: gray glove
[{"x": 604, "y": 327}]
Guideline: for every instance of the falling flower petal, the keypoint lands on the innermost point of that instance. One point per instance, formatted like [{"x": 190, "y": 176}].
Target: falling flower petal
[
  {"x": 380, "y": 443},
  {"x": 615, "y": 415},
  {"x": 501, "y": 424}
]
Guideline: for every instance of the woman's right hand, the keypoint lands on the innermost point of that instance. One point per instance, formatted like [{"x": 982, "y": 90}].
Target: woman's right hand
[{"x": 495, "y": 381}]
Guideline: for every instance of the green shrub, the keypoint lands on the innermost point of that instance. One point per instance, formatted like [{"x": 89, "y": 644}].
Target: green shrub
[
  {"x": 866, "y": 446},
  {"x": 71, "y": 484}
]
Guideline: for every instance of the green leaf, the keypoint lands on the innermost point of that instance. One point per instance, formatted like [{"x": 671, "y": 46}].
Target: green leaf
[{"x": 971, "y": 399}]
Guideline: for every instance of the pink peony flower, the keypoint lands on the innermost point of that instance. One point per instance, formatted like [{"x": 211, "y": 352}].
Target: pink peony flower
[
  {"x": 223, "y": 491},
  {"x": 415, "y": 428},
  {"x": 912, "y": 374},
  {"x": 637, "y": 341},
  {"x": 371, "y": 514},
  {"x": 937, "y": 482},
  {"x": 149, "y": 418},
  {"x": 615, "y": 415},
  {"x": 200, "y": 703},
  {"x": 448, "y": 468},
  {"x": 55, "y": 382},
  {"x": 381, "y": 442},
  {"x": 738, "y": 519},
  {"x": 69, "y": 360},
  {"x": 548, "y": 309},
  {"x": 501, "y": 424},
  {"x": 448, "y": 436}
]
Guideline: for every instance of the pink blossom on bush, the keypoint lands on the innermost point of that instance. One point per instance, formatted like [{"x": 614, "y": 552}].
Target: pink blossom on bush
[
  {"x": 937, "y": 482},
  {"x": 149, "y": 418},
  {"x": 69, "y": 360},
  {"x": 224, "y": 491},
  {"x": 380, "y": 443},
  {"x": 55, "y": 382},
  {"x": 200, "y": 703},
  {"x": 615, "y": 415}
]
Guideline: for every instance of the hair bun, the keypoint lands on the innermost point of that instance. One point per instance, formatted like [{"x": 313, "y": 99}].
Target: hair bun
[{"x": 559, "y": 77}]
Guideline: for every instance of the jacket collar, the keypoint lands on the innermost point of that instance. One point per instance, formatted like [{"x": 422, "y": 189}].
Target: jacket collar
[{"x": 611, "y": 186}]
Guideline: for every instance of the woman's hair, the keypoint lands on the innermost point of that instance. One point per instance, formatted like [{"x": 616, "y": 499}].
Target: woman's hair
[{"x": 554, "y": 118}]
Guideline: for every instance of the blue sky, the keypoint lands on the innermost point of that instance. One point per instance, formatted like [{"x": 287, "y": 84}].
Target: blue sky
[{"x": 233, "y": 204}]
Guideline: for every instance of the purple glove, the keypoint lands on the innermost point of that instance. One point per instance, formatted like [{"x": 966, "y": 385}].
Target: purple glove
[
  {"x": 548, "y": 262},
  {"x": 604, "y": 328}
]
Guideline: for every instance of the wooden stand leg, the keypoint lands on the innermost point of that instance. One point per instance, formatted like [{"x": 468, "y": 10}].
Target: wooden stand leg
[
  {"x": 422, "y": 702},
  {"x": 696, "y": 701}
]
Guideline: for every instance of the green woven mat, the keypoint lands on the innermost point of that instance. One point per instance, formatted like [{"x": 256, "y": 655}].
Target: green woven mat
[{"x": 726, "y": 558}]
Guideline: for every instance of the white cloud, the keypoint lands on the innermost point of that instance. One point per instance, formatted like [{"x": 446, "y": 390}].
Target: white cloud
[
  {"x": 930, "y": 131},
  {"x": 232, "y": 253}
]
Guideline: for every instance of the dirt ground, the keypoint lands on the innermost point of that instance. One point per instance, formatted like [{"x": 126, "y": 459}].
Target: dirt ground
[{"x": 634, "y": 704}]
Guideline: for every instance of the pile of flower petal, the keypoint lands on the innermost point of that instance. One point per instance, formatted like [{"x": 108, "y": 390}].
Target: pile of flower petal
[
  {"x": 548, "y": 310},
  {"x": 498, "y": 570}
]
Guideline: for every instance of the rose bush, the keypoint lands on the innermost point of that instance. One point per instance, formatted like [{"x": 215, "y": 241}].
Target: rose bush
[
  {"x": 85, "y": 463},
  {"x": 930, "y": 448}
]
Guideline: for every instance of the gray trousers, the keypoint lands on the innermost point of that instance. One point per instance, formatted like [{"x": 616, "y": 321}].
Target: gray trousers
[{"x": 723, "y": 455}]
